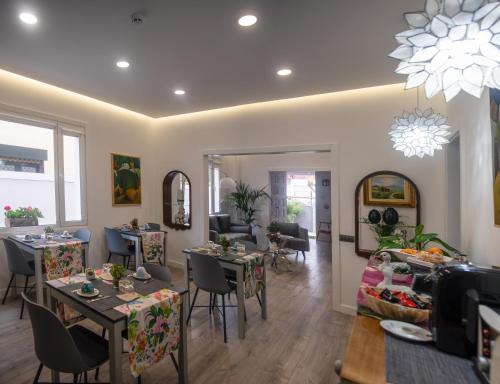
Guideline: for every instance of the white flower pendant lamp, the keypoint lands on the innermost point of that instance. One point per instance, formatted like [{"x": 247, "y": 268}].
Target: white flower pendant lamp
[
  {"x": 419, "y": 133},
  {"x": 453, "y": 45}
]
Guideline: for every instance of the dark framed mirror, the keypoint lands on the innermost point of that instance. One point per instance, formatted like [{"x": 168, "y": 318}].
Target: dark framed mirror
[
  {"x": 384, "y": 201},
  {"x": 177, "y": 200}
]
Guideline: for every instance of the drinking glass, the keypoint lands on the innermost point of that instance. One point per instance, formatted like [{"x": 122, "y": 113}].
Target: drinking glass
[{"x": 126, "y": 286}]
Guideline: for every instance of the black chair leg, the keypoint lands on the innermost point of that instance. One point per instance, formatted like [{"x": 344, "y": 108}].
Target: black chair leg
[
  {"x": 8, "y": 287},
  {"x": 192, "y": 305},
  {"x": 38, "y": 372},
  {"x": 22, "y": 301},
  {"x": 174, "y": 361},
  {"x": 224, "y": 317},
  {"x": 258, "y": 298},
  {"x": 304, "y": 255},
  {"x": 214, "y": 302},
  {"x": 85, "y": 378},
  {"x": 210, "y": 304},
  {"x": 75, "y": 378},
  {"x": 96, "y": 377},
  {"x": 109, "y": 256},
  {"x": 128, "y": 262}
]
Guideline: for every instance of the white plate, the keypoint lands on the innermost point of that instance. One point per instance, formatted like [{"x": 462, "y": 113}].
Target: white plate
[
  {"x": 406, "y": 331},
  {"x": 28, "y": 241},
  {"x": 93, "y": 294},
  {"x": 67, "y": 237},
  {"x": 147, "y": 277}
]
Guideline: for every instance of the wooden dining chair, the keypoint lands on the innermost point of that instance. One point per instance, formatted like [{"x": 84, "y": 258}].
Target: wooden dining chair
[
  {"x": 75, "y": 350},
  {"x": 18, "y": 265}
]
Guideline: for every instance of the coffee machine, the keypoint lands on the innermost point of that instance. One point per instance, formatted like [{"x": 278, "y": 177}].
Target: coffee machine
[{"x": 457, "y": 292}]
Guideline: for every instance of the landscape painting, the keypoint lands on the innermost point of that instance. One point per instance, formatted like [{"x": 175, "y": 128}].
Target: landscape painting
[
  {"x": 495, "y": 132},
  {"x": 388, "y": 190},
  {"x": 126, "y": 178}
]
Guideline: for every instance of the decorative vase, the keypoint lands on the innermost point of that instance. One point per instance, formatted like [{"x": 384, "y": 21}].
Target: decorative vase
[
  {"x": 374, "y": 216},
  {"x": 21, "y": 222},
  {"x": 390, "y": 216},
  {"x": 116, "y": 282}
]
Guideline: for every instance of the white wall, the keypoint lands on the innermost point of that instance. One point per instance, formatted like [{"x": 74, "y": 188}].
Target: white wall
[
  {"x": 357, "y": 121},
  {"x": 108, "y": 129},
  {"x": 480, "y": 237}
]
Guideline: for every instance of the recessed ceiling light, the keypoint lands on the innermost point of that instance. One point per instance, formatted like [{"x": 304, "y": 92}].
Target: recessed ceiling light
[
  {"x": 28, "y": 18},
  {"x": 284, "y": 72},
  {"x": 122, "y": 64},
  {"x": 247, "y": 20},
  {"x": 180, "y": 92}
]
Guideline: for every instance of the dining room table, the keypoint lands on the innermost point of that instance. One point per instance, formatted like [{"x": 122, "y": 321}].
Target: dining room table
[
  {"x": 36, "y": 246},
  {"x": 234, "y": 261},
  {"x": 103, "y": 311},
  {"x": 135, "y": 236}
]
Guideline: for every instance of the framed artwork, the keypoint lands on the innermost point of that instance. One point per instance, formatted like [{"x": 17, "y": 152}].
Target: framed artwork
[
  {"x": 495, "y": 140},
  {"x": 388, "y": 190},
  {"x": 126, "y": 180}
]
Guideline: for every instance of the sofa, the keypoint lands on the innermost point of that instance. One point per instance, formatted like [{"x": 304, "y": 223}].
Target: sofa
[
  {"x": 297, "y": 237},
  {"x": 220, "y": 224}
]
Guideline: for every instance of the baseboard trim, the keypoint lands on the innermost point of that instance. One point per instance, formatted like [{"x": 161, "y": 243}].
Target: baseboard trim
[
  {"x": 175, "y": 264},
  {"x": 348, "y": 309}
]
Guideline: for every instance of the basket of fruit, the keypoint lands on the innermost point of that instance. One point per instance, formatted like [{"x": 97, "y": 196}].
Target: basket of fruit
[{"x": 397, "y": 305}]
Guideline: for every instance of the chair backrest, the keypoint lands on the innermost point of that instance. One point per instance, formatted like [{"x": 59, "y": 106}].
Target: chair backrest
[
  {"x": 158, "y": 272},
  {"x": 115, "y": 242},
  {"x": 15, "y": 259},
  {"x": 154, "y": 226},
  {"x": 83, "y": 234},
  {"x": 54, "y": 346},
  {"x": 208, "y": 274}
]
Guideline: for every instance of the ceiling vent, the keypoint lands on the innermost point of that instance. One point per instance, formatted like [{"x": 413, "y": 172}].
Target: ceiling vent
[{"x": 137, "y": 18}]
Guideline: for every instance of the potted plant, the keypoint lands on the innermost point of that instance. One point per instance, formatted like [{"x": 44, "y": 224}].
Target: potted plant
[
  {"x": 117, "y": 271},
  {"x": 245, "y": 199},
  {"x": 22, "y": 216},
  {"x": 135, "y": 224},
  {"x": 224, "y": 242},
  {"x": 49, "y": 230}
]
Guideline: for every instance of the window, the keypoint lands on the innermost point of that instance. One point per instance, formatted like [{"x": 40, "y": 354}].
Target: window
[
  {"x": 213, "y": 186},
  {"x": 41, "y": 166}
]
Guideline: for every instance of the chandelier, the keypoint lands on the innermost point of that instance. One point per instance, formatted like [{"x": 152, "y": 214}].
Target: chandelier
[
  {"x": 419, "y": 133},
  {"x": 453, "y": 45}
]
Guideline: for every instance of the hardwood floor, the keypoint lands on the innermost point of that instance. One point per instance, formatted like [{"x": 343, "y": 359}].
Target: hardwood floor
[{"x": 298, "y": 343}]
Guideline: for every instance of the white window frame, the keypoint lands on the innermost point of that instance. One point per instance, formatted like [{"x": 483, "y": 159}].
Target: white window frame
[
  {"x": 60, "y": 127},
  {"x": 212, "y": 164}
]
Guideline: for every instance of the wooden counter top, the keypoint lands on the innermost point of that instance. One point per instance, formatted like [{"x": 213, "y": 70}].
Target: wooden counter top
[{"x": 364, "y": 361}]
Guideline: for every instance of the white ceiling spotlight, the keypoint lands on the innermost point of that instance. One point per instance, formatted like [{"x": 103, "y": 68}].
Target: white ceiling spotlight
[
  {"x": 419, "y": 133},
  {"x": 122, "y": 64},
  {"x": 28, "y": 18},
  {"x": 180, "y": 92},
  {"x": 247, "y": 20},
  {"x": 284, "y": 72},
  {"x": 453, "y": 45}
]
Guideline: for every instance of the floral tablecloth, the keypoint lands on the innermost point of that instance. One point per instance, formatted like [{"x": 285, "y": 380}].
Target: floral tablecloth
[
  {"x": 152, "y": 246},
  {"x": 63, "y": 261},
  {"x": 254, "y": 274},
  {"x": 153, "y": 328}
]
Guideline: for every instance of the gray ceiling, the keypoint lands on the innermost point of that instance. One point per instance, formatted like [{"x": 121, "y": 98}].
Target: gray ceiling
[{"x": 196, "y": 44}]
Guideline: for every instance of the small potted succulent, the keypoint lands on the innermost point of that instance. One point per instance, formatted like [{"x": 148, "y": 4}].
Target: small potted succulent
[
  {"x": 22, "y": 216},
  {"x": 135, "y": 224},
  {"x": 117, "y": 271},
  {"x": 49, "y": 232},
  {"x": 224, "y": 242}
]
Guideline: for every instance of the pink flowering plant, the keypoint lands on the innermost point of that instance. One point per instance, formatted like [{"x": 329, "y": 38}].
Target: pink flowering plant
[{"x": 22, "y": 212}]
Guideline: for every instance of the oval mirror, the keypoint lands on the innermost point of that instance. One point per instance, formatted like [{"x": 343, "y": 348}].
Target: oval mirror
[
  {"x": 177, "y": 200},
  {"x": 385, "y": 201}
]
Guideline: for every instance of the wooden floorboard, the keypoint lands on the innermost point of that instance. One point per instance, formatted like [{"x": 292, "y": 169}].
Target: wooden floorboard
[{"x": 298, "y": 343}]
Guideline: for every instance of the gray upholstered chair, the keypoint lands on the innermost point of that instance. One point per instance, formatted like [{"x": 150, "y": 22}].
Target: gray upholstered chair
[
  {"x": 84, "y": 234},
  {"x": 208, "y": 275},
  {"x": 298, "y": 237},
  {"x": 75, "y": 350},
  {"x": 159, "y": 272},
  {"x": 117, "y": 246},
  {"x": 17, "y": 265}
]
